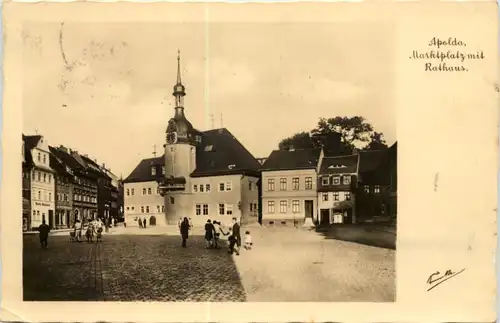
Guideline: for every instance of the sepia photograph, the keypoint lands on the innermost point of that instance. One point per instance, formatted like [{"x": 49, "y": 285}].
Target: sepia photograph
[
  {"x": 208, "y": 162},
  {"x": 216, "y": 162}
]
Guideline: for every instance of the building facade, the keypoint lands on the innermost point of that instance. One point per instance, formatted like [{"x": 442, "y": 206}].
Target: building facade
[
  {"x": 289, "y": 187},
  {"x": 42, "y": 182},
  {"x": 392, "y": 207},
  {"x": 372, "y": 190},
  {"x": 337, "y": 180},
  {"x": 142, "y": 199},
  {"x": 204, "y": 174},
  {"x": 84, "y": 185},
  {"x": 26, "y": 186}
]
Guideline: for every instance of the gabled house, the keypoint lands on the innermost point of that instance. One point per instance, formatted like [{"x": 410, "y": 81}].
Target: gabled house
[
  {"x": 84, "y": 184},
  {"x": 289, "y": 183},
  {"x": 142, "y": 199},
  {"x": 337, "y": 180},
  {"x": 42, "y": 182},
  {"x": 373, "y": 185},
  {"x": 64, "y": 191}
]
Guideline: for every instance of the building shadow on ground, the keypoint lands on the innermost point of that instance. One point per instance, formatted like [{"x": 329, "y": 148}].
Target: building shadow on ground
[
  {"x": 129, "y": 268},
  {"x": 375, "y": 235}
]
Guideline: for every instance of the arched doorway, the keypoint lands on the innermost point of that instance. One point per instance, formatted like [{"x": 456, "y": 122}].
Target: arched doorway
[{"x": 152, "y": 220}]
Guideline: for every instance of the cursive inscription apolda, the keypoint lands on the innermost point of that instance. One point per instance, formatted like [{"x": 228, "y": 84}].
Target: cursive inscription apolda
[{"x": 437, "y": 278}]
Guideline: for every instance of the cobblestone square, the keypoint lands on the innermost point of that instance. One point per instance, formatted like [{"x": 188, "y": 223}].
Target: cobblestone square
[{"x": 284, "y": 265}]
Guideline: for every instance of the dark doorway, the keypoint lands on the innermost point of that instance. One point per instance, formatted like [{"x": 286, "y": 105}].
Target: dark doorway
[
  {"x": 51, "y": 219},
  {"x": 325, "y": 217},
  {"x": 309, "y": 208},
  {"x": 68, "y": 223},
  {"x": 152, "y": 220}
]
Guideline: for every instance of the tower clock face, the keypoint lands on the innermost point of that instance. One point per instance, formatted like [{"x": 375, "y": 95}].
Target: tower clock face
[
  {"x": 171, "y": 138},
  {"x": 179, "y": 89}
]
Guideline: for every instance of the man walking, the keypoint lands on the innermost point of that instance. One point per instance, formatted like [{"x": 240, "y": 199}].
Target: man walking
[
  {"x": 237, "y": 236},
  {"x": 43, "y": 230}
]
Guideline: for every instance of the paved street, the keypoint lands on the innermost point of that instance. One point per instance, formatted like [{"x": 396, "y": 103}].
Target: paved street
[{"x": 285, "y": 265}]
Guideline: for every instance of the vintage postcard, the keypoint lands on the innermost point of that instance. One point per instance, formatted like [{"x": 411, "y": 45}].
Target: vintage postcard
[{"x": 206, "y": 162}]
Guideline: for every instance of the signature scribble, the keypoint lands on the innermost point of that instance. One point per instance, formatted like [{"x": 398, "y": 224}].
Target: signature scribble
[{"x": 435, "y": 279}]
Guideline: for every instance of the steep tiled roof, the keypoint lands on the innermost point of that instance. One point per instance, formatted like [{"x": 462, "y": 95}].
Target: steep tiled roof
[
  {"x": 222, "y": 154},
  {"x": 370, "y": 160},
  {"x": 30, "y": 142},
  {"x": 57, "y": 164},
  {"x": 292, "y": 159},
  {"x": 339, "y": 165},
  {"x": 373, "y": 167},
  {"x": 142, "y": 173},
  {"x": 97, "y": 169}
]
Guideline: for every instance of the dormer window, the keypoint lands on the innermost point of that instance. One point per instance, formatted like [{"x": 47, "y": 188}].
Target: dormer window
[
  {"x": 44, "y": 158},
  {"x": 336, "y": 180},
  {"x": 39, "y": 157},
  {"x": 209, "y": 148},
  {"x": 153, "y": 170},
  {"x": 231, "y": 166},
  {"x": 325, "y": 180},
  {"x": 347, "y": 180}
]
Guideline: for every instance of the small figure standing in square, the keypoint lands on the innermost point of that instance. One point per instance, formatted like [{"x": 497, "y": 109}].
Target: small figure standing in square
[
  {"x": 248, "y": 240},
  {"x": 43, "y": 230}
]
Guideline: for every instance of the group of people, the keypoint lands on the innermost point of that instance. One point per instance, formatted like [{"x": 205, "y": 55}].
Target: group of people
[
  {"x": 142, "y": 223},
  {"x": 213, "y": 232},
  {"x": 94, "y": 229}
]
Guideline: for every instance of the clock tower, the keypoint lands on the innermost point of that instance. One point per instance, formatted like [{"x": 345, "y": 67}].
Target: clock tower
[{"x": 180, "y": 158}]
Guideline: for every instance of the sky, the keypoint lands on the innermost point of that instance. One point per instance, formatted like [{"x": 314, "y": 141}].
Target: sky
[{"x": 105, "y": 89}]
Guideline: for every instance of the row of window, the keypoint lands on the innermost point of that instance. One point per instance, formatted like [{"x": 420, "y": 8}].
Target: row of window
[
  {"x": 376, "y": 189},
  {"x": 325, "y": 180},
  {"x": 206, "y": 188},
  {"x": 283, "y": 206},
  {"x": 145, "y": 191},
  {"x": 39, "y": 158},
  {"x": 153, "y": 170},
  {"x": 45, "y": 196},
  {"x": 336, "y": 195},
  {"x": 85, "y": 198},
  {"x": 223, "y": 209},
  {"x": 41, "y": 177},
  {"x": 147, "y": 208},
  {"x": 295, "y": 184}
]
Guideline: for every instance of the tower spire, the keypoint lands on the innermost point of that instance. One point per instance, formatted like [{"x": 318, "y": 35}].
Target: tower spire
[
  {"x": 179, "y": 67},
  {"x": 179, "y": 89}
]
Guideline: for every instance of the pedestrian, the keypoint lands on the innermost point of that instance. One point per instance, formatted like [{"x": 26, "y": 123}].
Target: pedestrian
[
  {"x": 190, "y": 223},
  {"x": 217, "y": 231},
  {"x": 209, "y": 233},
  {"x": 43, "y": 230},
  {"x": 180, "y": 222},
  {"x": 237, "y": 236},
  {"x": 144, "y": 223},
  {"x": 184, "y": 228},
  {"x": 248, "y": 241},
  {"x": 124, "y": 224},
  {"x": 232, "y": 241},
  {"x": 140, "y": 222},
  {"x": 78, "y": 231}
]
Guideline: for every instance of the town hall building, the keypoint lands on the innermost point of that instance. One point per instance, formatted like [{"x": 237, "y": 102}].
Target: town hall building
[{"x": 204, "y": 174}]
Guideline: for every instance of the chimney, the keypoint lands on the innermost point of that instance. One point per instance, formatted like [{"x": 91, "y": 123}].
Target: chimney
[
  {"x": 85, "y": 155},
  {"x": 104, "y": 165},
  {"x": 61, "y": 147}
]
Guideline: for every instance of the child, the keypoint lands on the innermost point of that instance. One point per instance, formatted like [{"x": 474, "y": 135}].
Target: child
[{"x": 248, "y": 240}]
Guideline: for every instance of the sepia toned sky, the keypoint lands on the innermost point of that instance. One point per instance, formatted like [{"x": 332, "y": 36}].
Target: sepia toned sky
[{"x": 106, "y": 89}]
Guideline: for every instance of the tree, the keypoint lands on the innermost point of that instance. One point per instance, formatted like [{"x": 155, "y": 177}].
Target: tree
[
  {"x": 300, "y": 140},
  {"x": 354, "y": 132}
]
